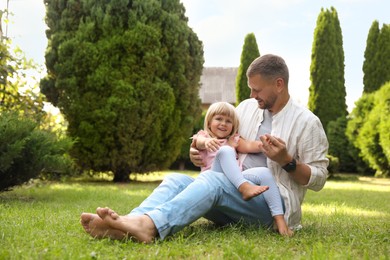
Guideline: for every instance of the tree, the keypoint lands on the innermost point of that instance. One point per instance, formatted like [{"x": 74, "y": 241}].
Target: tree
[
  {"x": 18, "y": 92},
  {"x": 376, "y": 66},
  {"x": 250, "y": 51},
  {"x": 368, "y": 129},
  {"x": 370, "y": 64},
  {"x": 125, "y": 74},
  {"x": 327, "y": 89}
]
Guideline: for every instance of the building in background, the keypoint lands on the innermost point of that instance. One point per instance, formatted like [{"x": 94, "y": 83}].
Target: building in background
[{"x": 218, "y": 84}]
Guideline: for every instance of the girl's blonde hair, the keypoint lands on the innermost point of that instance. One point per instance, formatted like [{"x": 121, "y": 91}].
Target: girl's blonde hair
[{"x": 221, "y": 108}]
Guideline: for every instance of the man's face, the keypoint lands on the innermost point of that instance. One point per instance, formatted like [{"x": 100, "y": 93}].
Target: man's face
[{"x": 264, "y": 91}]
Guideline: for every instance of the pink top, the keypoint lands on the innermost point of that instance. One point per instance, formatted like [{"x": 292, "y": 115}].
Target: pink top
[{"x": 208, "y": 157}]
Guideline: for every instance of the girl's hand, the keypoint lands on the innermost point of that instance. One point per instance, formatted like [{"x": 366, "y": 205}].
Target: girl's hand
[
  {"x": 213, "y": 144},
  {"x": 260, "y": 145},
  {"x": 234, "y": 140}
]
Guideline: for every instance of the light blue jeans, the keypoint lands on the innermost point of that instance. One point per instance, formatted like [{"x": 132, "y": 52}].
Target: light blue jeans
[{"x": 180, "y": 200}]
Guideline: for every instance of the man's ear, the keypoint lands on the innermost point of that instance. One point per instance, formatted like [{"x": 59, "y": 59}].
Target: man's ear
[{"x": 280, "y": 84}]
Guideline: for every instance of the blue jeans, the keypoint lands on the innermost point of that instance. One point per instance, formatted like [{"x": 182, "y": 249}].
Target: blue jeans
[{"x": 180, "y": 200}]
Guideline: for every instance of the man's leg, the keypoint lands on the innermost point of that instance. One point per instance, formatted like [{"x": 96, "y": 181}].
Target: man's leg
[
  {"x": 211, "y": 192},
  {"x": 172, "y": 185},
  {"x": 94, "y": 225}
]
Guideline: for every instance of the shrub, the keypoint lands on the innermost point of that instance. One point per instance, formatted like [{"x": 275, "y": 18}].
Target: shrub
[
  {"x": 26, "y": 151},
  {"x": 334, "y": 165}
]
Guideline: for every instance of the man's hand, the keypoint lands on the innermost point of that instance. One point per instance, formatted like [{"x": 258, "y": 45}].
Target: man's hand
[
  {"x": 195, "y": 157},
  {"x": 275, "y": 149}
]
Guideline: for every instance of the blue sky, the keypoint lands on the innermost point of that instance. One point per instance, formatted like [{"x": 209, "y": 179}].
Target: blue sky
[{"x": 283, "y": 27}]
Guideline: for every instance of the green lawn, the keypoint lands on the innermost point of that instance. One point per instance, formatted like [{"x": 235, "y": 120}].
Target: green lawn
[{"x": 349, "y": 219}]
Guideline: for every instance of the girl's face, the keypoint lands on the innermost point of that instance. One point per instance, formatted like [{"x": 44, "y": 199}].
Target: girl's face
[{"x": 221, "y": 126}]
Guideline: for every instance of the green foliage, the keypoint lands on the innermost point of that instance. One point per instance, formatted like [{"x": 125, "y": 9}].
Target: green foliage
[
  {"x": 334, "y": 165},
  {"x": 376, "y": 66},
  {"x": 26, "y": 151},
  {"x": 250, "y": 51},
  {"x": 125, "y": 74},
  {"x": 340, "y": 146},
  {"x": 18, "y": 91},
  {"x": 327, "y": 89},
  {"x": 183, "y": 161},
  {"x": 370, "y": 65},
  {"x": 368, "y": 129}
]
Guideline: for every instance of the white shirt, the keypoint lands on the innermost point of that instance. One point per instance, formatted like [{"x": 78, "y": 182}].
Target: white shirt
[{"x": 305, "y": 141}]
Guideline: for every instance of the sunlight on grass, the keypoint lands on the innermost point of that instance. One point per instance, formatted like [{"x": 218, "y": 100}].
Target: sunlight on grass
[
  {"x": 143, "y": 192},
  {"x": 65, "y": 186},
  {"x": 336, "y": 209},
  {"x": 367, "y": 184},
  {"x": 159, "y": 176}
]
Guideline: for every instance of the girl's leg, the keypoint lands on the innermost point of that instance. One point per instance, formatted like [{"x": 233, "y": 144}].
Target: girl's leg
[
  {"x": 263, "y": 176},
  {"x": 226, "y": 162}
]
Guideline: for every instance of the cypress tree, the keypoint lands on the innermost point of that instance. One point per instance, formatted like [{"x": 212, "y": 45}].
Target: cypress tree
[
  {"x": 250, "y": 51},
  {"x": 370, "y": 77},
  {"x": 327, "y": 89},
  {"x": 125, "y": 74},
  {"x": 376, "y": 66},
  {"x": 383, "y": 56}
]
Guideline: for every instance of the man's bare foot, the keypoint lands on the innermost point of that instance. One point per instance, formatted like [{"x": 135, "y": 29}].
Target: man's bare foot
[
  {"x": 249, "y": 191},
  {"x": 141, "y": 228},
  {"x": 96, "y": 227}
]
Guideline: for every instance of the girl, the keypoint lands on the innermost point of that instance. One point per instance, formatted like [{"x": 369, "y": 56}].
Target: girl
[{"x": 218, "y": 143}]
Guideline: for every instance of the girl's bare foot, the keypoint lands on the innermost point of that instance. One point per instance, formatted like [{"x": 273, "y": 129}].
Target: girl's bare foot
[
  {"x": 141, "y": 228},
  {"x": 96, "y": 227},
  {"x": 282, "y": 227},
  {"x": 249, "y": 191}
]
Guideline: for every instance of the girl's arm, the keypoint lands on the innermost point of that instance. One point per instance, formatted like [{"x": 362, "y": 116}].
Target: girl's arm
[
  {"x": 246, "y": 146},
  {"x": 207, "y": 143}
]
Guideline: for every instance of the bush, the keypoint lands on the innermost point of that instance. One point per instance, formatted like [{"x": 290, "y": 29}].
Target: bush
[
  {"x": 334, "y": 165},
  {"x": 26, "y": 151},
  {"x": 368, "y": 129}
]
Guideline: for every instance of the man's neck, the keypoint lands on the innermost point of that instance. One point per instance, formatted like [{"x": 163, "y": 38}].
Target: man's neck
[{"x": 279, "y": 104}]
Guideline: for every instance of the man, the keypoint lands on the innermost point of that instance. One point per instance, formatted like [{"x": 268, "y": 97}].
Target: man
[{"x": 295, "y": 148}]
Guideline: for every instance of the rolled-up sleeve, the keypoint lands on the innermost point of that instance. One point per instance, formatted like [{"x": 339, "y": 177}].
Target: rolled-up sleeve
[{"x": 314, "y": 154}]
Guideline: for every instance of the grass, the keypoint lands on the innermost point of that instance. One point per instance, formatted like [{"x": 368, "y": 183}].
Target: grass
[{"x": 348, "y": 219}]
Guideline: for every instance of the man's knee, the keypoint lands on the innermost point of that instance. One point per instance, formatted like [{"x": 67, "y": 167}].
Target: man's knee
[
  {"x": 216, "y": 181},
  {"x": 178, "y": 179}
]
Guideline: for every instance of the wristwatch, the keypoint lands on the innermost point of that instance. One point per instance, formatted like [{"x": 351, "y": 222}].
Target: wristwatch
[{"x": 291, "y": 166}]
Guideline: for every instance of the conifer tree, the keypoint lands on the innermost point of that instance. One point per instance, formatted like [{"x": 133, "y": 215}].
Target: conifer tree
[
  {"x": 250, "y": 51},
  {"x": 370, "y": 68},
  {"x": 376, "y": 66},
  {"x": 125, "y": 74},
  {"x": 327, "y": 89}
]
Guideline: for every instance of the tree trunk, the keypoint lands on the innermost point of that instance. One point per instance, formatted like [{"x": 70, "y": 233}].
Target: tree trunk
[{"x": 121, "y": 176}]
